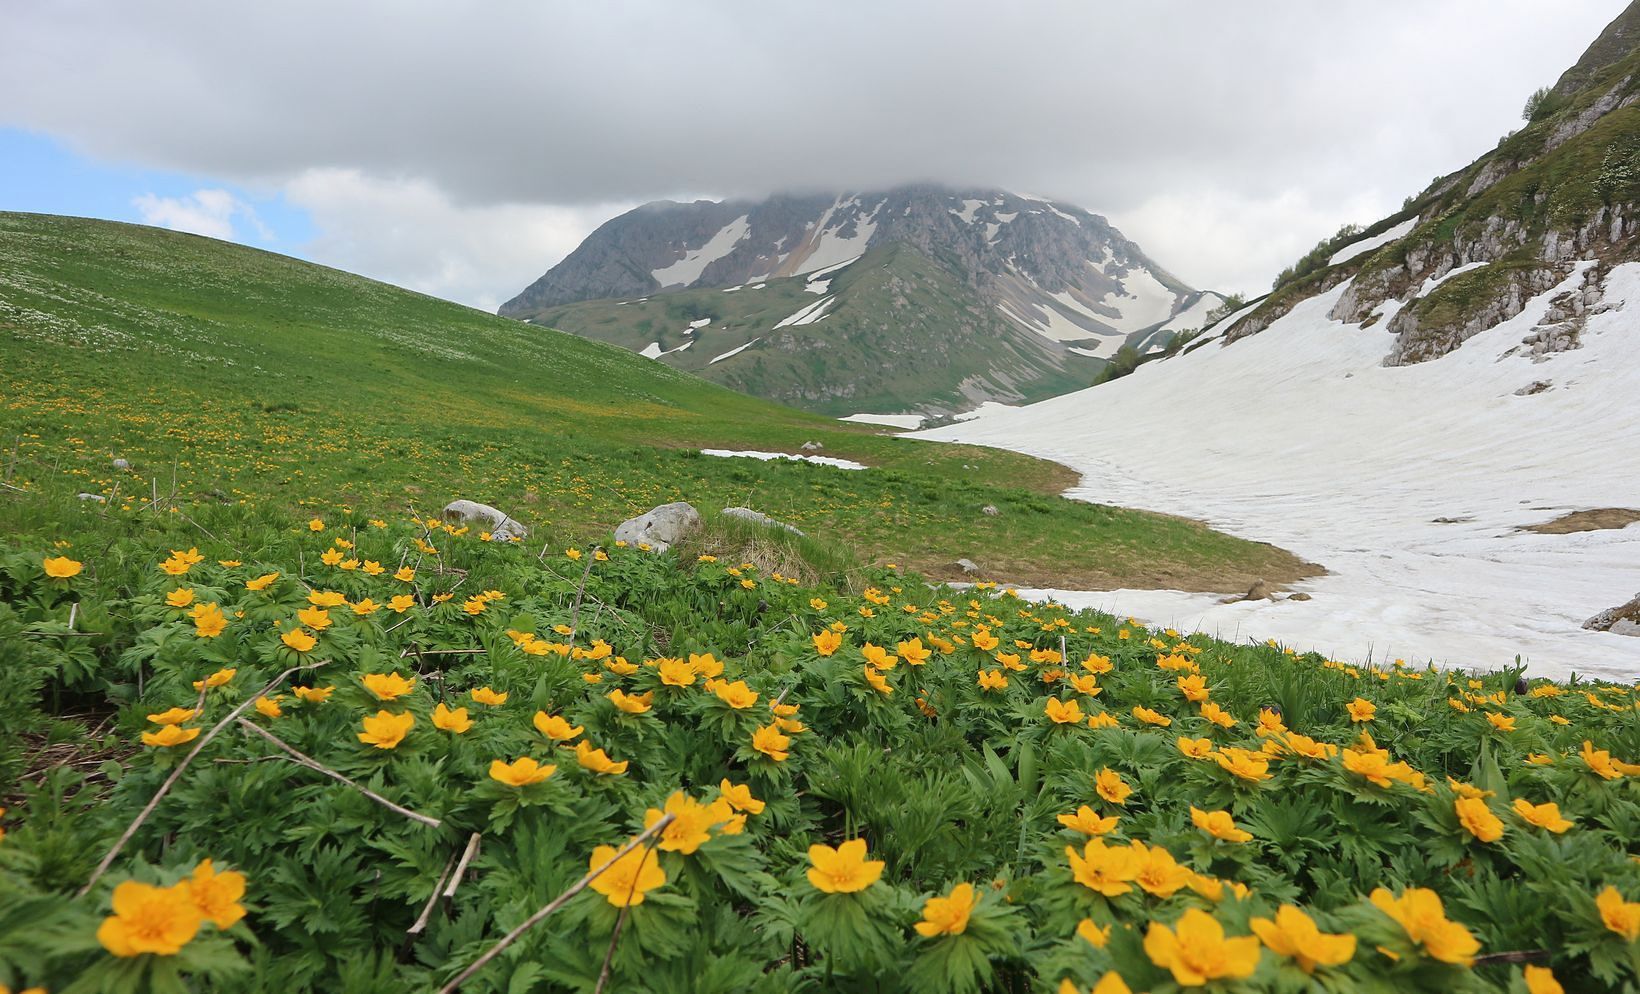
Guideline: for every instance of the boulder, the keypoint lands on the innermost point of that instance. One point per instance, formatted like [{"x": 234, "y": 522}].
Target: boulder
[
  {"x": 758, "y": 517},
  {"x": 967, "y": 566},
  {"x": 990, "y": 511},
  {"x": 497, "y": 523},
  {"x": 812, "y": 446},
  {"x": 1259, "y": 591},
  {"x": 1623, "y": 620},
  {"x": 660, "y": 527}
]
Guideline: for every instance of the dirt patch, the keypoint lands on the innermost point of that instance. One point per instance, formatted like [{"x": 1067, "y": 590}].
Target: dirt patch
[{"x": 1586, "y": 521}]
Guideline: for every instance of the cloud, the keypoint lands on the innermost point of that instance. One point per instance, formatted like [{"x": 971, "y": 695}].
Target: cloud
[
  {"x": 409, "y": 233},
  {"x": 203, "y": 212},
  {"x": 1243, "y": 117}
]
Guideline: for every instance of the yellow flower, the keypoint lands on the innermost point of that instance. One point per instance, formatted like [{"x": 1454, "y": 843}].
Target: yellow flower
[
  {"x": 175, "y": 567},
  {"x": 879, "y": 657},
  {"x": 388, "y": 686},
  {"x": 1217, "y": 715},
  {"x": 326, "y": 598},
  {"x": 1194, "y": 687},
  {"x": 1542, "y": 815},
  {"x": 180, "y": 597},
  {"x": 229, "y": 563},
  {"x": 629, "y": 878},
  {"x": 174, "y": 716},
  {"x": 1110, "y": 983},
  {"x": 1196, "y": 748},
  {"x": 149, "y": 919},
  {"x": 1096, "y": 936},
  {"x": 216, "y": 895},
  {"x": 331, "y": 557},
  {"x": 1599, "y": 761},
  {"x": 217, "y": 679},
  {"x": 913, "y": 652},
  {"x": 401, "y": 603},
  {"x": 1243, "y": 764},
  {"x": 1361, "y": 709},
  {"x": 597, "y": 760},
  {"x": 1104, "y": 869},
  {"x": 691, "y": 823},
  {"x": 737, "y": 695},
  {"x": 1218, "y": 824},
  {"x": 631, "y": 703},
  {"x": 313, "y": 695},
  {"x": 705, "y": 665},
  {"x": 1620, "y": 916},
  {"x": 1270, "y": 723},
  {"x": 169, "y": 735},
  {"x": 210, "y": 622},
  {"x": 1419, "y": 913},
  {"x": 740, "y": 797},
  {"x": 948, "y": 915},
  {"x": 1063, "y": 712},
  {"x": 676, "y": 673},
  {"x": 385, "y": 730},
  {"x": 450, "y": 720},
  {"x": 984, "y": 640},
  {"x": 61, "y": 567},
  {"x": 1088, "y": 822},
  {"x": 484, "y": 695},
  {"x": 316, "y": 525},
  {"x": 316, "y": 618},
  {"x": 262, "y": 582},
  {"x": 1294, "y": 934},
  {"x": 366, "y": 608},
  {"x": 520, "y": 772},
  {"x": 1541, "y": 980},
  {"x": 1097, "y": 664},
  {"x": 1478, "y": 819},
  {"x": 1501, "y": 722},
  {"x": 555, "y": 727},
  {"x": 1467, "y": 790},
  {"x": 768, "y": 741},
  {"x": 1150, "y": 717},
  {"x": 299, "y": 640},
  {"x": 406, "y": 574},
  {"x": 843, "y": 870},
  {"x": 1159, "y": 873},
  {"x": 269, "y": 707},
  {"x": 573, "y": 553},
  {"x": 1109, "y": 785},
  {"x": 993, "y": 680},
  {"x": 1195, "y": 950}
]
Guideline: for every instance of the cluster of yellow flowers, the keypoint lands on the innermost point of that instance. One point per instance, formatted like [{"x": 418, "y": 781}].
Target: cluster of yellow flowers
[{"x": 161, "y": 920}]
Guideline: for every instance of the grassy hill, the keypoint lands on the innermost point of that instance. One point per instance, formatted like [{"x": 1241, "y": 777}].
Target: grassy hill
[
  {"x": 234, "y": 377},
  {"x": 902, "y": 333}
]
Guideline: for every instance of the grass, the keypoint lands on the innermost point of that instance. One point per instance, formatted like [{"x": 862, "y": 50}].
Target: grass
[{"x": 232, "y": 376}]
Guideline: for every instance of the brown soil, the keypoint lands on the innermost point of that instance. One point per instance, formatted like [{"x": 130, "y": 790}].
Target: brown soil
[{"x": 1586, "y": 521}]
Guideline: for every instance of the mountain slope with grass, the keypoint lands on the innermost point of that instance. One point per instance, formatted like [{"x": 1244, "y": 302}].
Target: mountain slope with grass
[
  {"x": 824, "y": 301},
  {"x": 1412, "y": 403},
  {"x": 225, "y": 376}
]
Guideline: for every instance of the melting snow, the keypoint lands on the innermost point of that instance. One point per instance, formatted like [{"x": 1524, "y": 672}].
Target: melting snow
[
  {"x": 831, "y": 248},
  {"x": 1318, "y": 447},
  {"x": 652, "y": 351},
  {"x": 694, "y": 262},
  {"x": 1435, "y": 281},
  {"x": 1145, "y": 301},
  {"x": 766, "y": 456},
  {"x": 1354, "y": 249},
  {"x": 906, "y": 421},
  {"x": 818, "y": 286},
  {"x": 968, "y": 209},
  {"x": 807, "y": 315},
  {"x": 734, "y": 351}
]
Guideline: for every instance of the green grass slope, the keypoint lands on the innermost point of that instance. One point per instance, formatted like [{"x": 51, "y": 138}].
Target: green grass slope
[
  {"x": 233, "y": 377},
  {"x": 901, "y": 334}
]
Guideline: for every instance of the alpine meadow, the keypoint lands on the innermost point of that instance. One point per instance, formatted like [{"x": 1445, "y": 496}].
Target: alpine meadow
[{"x": 869, "y": 579}]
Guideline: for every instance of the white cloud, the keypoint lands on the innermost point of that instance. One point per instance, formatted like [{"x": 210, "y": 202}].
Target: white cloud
[
  {"x": 409, "y": 233},
  {"x": 204, "y": 212}
]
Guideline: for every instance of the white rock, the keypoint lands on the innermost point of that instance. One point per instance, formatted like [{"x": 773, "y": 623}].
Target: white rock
[
  {"x": 660, "y": 527},
  {"x": 990, "y": 510},
  {"x": 99, "y": 498},
  {"x": 758, "y": 517},
  {"x": 121, "y": 464},
  {"x": 499, "y": 524}
]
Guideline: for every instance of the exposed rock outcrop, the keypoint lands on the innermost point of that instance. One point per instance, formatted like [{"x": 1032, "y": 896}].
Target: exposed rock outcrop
[{"x": 661, "y": 527}]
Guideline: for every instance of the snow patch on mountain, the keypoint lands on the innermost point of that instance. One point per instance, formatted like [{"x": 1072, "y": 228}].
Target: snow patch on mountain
[
  {"x": 1377, "y": 241},
  {"x": 1143, "y": 302},
  {"x": 694, "y": 262},
  {"x": 734, "y": 351},
  {"x": 1412, "y": 506}
]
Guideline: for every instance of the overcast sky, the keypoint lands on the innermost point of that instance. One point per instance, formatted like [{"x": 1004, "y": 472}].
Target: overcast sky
[{"x": 463, "y": 148}]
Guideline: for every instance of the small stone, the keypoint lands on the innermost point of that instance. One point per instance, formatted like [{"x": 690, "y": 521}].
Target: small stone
[
  {"x": 99, "y": 498},
  {"x": 121, "y": 464},
  {"x": 990, "y": 510},
  {"x": 812, "y": 446},
  {"x": 1300, "y": 596}
]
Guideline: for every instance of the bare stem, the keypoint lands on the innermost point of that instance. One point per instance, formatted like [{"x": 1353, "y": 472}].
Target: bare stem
[{"x": 316, "y": 766}]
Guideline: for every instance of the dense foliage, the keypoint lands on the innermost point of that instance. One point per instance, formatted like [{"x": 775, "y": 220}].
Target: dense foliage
[{"x": 912, "y": 789}]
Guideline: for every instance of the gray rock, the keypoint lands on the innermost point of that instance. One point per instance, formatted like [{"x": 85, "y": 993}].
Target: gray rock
[
  {"x": 497, "y": 523},
  {"x": 121, "y": 464},
  {"x": 967, "y": 565},
  {"x": 1259, "y": 591},
  {"x": 99, "y": 498},
  {"x": 812, "y": 446},
  {"x": 1623, "y": 620},
  {"x": 1300, "y": 596},
  {"x": 747, "y": 514},
  {"x": 990, "y": 511},
  {"x": 661, "y": 527}
]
